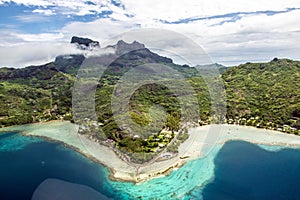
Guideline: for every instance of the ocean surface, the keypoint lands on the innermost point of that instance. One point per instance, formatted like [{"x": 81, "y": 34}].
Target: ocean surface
[{"x": 237, "y": 170}]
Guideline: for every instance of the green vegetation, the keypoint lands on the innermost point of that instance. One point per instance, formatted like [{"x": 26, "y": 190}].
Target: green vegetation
[
  {"x": 34, "y": 94},
  {"x": 264, "y": 95}
]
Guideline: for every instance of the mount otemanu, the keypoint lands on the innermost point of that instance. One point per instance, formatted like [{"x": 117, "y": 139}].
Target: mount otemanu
[{"x": 264, "y": 95}]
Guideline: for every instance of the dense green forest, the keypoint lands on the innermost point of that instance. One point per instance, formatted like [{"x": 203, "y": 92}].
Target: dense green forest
[
  {"x": 264, "y": 95},
  {"x": 34, "y": 94}
]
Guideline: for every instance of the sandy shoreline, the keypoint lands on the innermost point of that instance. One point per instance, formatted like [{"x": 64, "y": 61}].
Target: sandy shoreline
[{"x": 200, "y": 142}]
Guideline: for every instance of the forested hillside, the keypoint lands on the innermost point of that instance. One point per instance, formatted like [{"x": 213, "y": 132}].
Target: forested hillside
[{"x": 264, "y": 95}]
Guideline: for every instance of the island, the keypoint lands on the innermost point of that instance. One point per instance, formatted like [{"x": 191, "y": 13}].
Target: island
[{"x": 169, "y": 129}]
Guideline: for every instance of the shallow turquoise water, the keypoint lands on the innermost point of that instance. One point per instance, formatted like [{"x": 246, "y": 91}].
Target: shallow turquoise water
[
  {"x": 42, "y": 159},
  {"x": 25, "y": 162},
  {"x": 177, "y": 184},
  {"x": 13, "y": 141}
]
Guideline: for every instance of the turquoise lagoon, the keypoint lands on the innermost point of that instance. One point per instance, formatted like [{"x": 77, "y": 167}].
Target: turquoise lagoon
[{"x": 236, "y": 170}]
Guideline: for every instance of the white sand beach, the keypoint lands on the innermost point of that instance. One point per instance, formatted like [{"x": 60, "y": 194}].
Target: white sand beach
[{"x": 198, "y": 145}]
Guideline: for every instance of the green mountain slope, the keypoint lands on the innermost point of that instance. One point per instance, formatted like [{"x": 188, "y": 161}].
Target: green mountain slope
[
  {"x": 34, "y": 94},
  {"x": 258, "y": 94},
  {"x": 268, "y": 92}
]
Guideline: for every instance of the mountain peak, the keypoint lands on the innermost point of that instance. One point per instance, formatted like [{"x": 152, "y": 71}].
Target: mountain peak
[
  {"x": 84, "y": 43},
  {"x": 123, "y": 47}
]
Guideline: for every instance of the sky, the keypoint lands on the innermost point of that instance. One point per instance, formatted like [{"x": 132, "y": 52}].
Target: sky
[{"x": 231, "y": 32}]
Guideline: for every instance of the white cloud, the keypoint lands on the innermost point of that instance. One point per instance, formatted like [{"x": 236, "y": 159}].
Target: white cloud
[
  {"x": 42, "y": 3},
  {"x": 145, "y": 10},
  {"x": 29, "y": 18},
  {"x": 101, "y": 30},
  {"x": 44, "y": 37},
  {"x": 173, "y": 10},
  {"x": 252, "y": 36},
  {"x": 65, "y": 7},
  {"x": 44, "y": 12},
  {"x": 26, "y": 54}
]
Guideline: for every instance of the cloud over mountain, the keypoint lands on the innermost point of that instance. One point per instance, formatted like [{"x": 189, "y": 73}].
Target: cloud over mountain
[{"x": 230, "y": 32}]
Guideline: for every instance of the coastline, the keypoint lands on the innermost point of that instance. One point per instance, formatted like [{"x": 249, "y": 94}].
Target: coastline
[{"x": 195, "y": 147}]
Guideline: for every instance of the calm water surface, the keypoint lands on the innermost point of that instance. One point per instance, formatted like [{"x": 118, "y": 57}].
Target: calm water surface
[{"x": 240, "y": 170}]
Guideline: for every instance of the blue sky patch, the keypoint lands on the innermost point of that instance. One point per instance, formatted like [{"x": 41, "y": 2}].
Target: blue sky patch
[{"x": 19, "y": 17}]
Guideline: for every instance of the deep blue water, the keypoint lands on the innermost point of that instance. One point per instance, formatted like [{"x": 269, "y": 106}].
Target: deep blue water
[
  {"x": 245, "y": 171},
  {"x": 242, "y": 171},
  {"x": 23, "y": 169}
]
